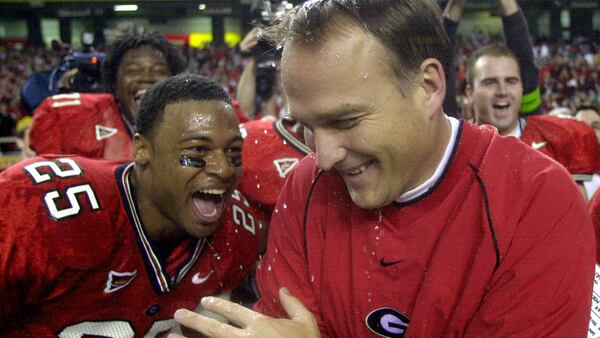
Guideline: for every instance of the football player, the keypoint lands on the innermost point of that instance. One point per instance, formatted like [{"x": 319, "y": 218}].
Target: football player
[{"x": 101, "y": 248}]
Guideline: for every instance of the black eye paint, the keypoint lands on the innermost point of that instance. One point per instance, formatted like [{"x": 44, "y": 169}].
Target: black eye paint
[{"x": 187, "y": 161}]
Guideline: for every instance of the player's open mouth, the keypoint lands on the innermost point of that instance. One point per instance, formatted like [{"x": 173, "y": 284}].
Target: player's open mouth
[
  {"x": 501, "y": 106},
  {"x": 208, "y": 204}
]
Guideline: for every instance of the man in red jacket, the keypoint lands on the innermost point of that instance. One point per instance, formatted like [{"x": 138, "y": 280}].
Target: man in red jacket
[{"x": 403, "y": 223}]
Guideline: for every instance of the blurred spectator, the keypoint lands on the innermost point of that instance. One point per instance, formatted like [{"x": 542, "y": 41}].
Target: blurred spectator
[{"x": 103, "y": 124}]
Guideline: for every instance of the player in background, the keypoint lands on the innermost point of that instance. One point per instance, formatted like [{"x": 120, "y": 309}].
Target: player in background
[
  {"x": 101, "y": 248},
  {"x": 501, "y": 81},
  {"x": 517, "y": 39},
  {"x": 101, "y": 125}
]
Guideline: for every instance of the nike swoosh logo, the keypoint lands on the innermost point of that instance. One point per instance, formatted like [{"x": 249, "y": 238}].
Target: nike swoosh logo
[
  {"x": 384, "y": 263},
  {"x": 538, "y": 145},
  {"x": 200, "y": 280}
]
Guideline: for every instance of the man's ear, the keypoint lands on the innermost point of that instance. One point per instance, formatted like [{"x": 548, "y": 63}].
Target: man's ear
[
  {"x": 142, "y": 151},
  {"x": 434, "y": 84}
]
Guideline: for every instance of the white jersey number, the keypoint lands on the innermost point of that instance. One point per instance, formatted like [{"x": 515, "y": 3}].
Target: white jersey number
[
  {"x": 51, "y": 197},
  {"x": 113, "y": 328}
]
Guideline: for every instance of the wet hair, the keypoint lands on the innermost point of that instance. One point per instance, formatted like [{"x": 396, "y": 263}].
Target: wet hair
[
  {"x": 117, "y": 50},
  {"x": 411, "y": 30},
  {"x": 494, "y": 50},
  {"x": 182, "y": 87}
]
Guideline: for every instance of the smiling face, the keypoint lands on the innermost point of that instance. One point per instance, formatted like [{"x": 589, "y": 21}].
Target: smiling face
[
  {"x": 193, "y": 166},
  {"x": 357, "y": 120},
  {"x": 496, "y": 92},
  {"x": 139, "y": 69}
]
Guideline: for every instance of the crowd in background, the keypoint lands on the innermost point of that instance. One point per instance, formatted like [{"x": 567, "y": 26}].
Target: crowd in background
[{"x": 569, "y": 71}]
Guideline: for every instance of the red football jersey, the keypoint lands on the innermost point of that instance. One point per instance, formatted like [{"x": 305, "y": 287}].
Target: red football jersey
[
  {"x": 474, "y": 257},
  {"x": 271, "y": 150},
  {"x": 88, "y": 125},
  {"x": 75, "y": 259},
  {"x": 570, "y": 142}
]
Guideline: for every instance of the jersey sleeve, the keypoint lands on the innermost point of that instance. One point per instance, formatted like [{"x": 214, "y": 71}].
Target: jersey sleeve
[
  {"x": 553, "y": 237},
  {"x": 570, "y": 142},
  {"x": 53, "y": 229},
  {"x": 240, "y": 236},
  {"x": 284, "y": 264},
  {"x": 88, "y": 125}
]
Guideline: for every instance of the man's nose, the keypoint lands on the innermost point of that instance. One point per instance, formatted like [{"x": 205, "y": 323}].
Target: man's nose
[
  {"x": 328, "y": 148},
  {"x": 502, "y": 88},
  {"x": 220, "y": 165}
]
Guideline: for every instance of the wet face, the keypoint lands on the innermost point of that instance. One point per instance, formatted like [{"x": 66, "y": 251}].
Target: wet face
[
  {"x": 140, "y": 68},
  {"x": 356, "y": 119},
  {"x": 591, "y": 118},
  {"x": 496, "y": 92},
  {"x": 195, "y": 165}
]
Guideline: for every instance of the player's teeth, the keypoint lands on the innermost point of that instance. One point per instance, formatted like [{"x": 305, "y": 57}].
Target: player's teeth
[
  {"x": 213, "y": 191},
  {"x": 359, "y": 170}
]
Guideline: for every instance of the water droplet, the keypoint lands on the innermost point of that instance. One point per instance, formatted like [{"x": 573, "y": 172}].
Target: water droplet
[
  {"x": 284, "y": 206},
  {"x": 255, "y": 141},
  {"x": 241, "y": 267},
  {"x": 265, "y": 132},
  {"x": 312, "y": 278},
  {"x": 220, "y": 284},
  {"x": 269, "y": 267},
  {"x": 276, "y": 250},
  {"x": 365, "y": 75},
  {"x": 236, "y": 231},
  {"x": 258, "y": 186},
  {"x": 217, "y": 256},
  {"x": 284, "y": 142}
]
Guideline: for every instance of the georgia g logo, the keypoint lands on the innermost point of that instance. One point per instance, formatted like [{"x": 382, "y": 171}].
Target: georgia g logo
[{"x": 387, "y": 322}]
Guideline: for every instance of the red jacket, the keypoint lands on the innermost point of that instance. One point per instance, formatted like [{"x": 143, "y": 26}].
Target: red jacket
[{"x": 502, "y": 246}]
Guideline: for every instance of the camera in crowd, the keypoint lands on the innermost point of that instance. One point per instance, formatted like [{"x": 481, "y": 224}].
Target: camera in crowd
[
  {"x": 263, "y": 13},
  {"x": 88, "y": 78},
  {"x": 76, "y": 72}
]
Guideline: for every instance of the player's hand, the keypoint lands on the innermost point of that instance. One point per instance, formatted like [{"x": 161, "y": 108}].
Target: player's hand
[
  {"x": 249, "y": 41},
  {"x": 65, "y": 81},
  {"x": 251, "y": 324}
]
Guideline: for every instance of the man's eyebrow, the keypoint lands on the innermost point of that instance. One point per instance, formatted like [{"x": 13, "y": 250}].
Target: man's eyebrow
[{"x": 345, "y": 109}]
